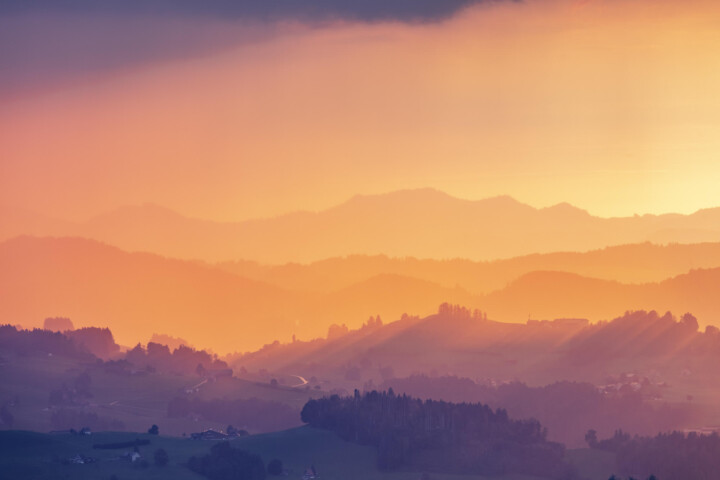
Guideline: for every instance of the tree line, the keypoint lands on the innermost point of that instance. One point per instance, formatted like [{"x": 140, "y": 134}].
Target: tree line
[
  {"x": 669, "y": 456},
  {"x": 440, "y": 436},
  {"x": 566, "y": 409}
]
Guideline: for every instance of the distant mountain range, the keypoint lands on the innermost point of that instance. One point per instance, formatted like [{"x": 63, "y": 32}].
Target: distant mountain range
[
  {"x": 138, "y": 294},
  {"x": 421, "y": 223}
]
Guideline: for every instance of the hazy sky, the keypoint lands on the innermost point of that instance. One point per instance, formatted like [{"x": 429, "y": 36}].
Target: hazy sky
[{"x": 227, "y": 111}]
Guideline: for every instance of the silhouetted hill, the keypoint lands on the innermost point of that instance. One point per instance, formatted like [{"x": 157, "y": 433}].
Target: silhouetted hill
[
  {"x": 51, "y": 381},
  {"x": 636, "y": 263},
  {"x": 391, "y": 295},
  {"x": 422, "y": 223},
  {"x": 465, "y": 343},
  {"x": 138, "y": 294},
  {"x": 559, "y": 294},
  {"x": 466, "y": 438}
]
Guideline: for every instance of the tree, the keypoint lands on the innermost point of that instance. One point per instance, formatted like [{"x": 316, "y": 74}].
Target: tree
[
  {"x": 58, "y": 324},
  {"x": 275, "y": 467},
  {"x": 591, "y": 438},
  {"x": 225, "y": 462},
  {"x": 161, "y": 457},
  {"x": 154, "y": 430},
  {"x": 689, "y": 321},
  {"x": 432, "y": 435}
]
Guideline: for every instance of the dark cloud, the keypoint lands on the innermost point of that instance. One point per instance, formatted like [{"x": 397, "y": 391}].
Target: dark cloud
[
  {"x": 51, "y": 42},
  {"x": 45, "y": 48},
  {"x": 264, "y": 10}
]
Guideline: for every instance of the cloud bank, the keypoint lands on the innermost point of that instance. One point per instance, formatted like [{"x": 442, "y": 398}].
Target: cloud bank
[
  {"x": 265, "y": 10},
  {"x": 49, "y": 42}
]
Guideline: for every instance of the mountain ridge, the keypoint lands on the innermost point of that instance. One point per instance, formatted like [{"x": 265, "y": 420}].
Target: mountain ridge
[
  {"x": 137, "y": 294},
  {"x": 423, "y": 223}
]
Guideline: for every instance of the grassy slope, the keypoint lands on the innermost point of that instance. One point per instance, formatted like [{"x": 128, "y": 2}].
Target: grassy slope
[
  {"x": 592, "y": 464},
  {"x": 138, "y": 401},
  {"x": 31, "y": 455}
]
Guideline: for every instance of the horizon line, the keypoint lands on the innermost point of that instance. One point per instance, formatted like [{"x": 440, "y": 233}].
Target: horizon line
[{"x": 348, "y": 200}]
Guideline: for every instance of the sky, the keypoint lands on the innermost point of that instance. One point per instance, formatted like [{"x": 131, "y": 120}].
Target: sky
[{"x": 227, "y": 111}]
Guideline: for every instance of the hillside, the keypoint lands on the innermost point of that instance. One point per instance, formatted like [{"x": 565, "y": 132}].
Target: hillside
[
  {"x": 123, "y": 396},
  {"x": 138, "y": 294},
  {"x": 423, "y": 223},
  {"x": 635, "y": 263},
  {"x": 559, "y": 294},
  {"x": 538, "y": 352},
  {"x": 33, "y": 453}
]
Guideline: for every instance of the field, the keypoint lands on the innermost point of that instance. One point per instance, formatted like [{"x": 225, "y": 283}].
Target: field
[
  {"x": 141, "y": 400},
  {"x": 40, "y": 456},
  {"x": 137, "y": 400}
]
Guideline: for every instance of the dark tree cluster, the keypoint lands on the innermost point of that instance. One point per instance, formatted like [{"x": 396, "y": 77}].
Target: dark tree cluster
[
  {"x": 253, "y": 413},
  {"x": 458, "y": 311},
  {"x": 439, "y": 436},
  {"x": 58, "y": 324},
  {"x": 98, "y": 341},
  {"x": 566, "y": 409},
  {"x": 224, "y": 462},
  {"x": 183, "y": 359},
  {"x": 38, "y": 342},
  {"x": 670, "y": 456}
]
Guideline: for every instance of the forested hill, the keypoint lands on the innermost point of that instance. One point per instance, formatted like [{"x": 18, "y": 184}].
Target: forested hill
[{"x": 440, "y": 436}]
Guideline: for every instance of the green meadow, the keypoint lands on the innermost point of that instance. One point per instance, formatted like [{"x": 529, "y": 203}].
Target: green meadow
[{"x": 44, "y": 456}]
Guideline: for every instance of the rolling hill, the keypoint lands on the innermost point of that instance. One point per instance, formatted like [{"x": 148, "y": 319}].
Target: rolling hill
[
  {"x": 634, "y": 263},
  {"x": 559, "y": 294},
  {"x": 32, "y": 457},
  {"x": 422, "y": 223},
  {"x": 138, "y": 294}
]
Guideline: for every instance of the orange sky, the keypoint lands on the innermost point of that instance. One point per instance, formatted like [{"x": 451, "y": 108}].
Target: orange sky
[{"x": 611, "y": 105}]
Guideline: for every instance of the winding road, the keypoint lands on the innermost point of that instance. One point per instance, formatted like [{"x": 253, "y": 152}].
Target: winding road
[{"x": 302, "y": 383}]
